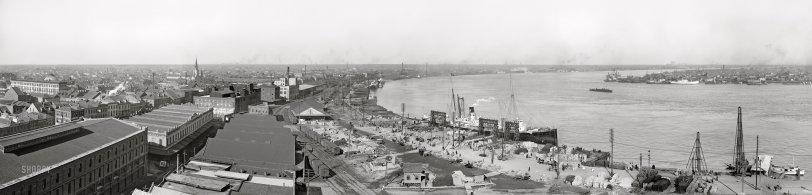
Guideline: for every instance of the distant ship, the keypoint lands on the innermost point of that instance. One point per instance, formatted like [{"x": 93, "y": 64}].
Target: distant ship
[
  {"x": 756, "y": 82},
  {"x": 601, "y": 90},
  {"x": 661, "y": 81},
  {"x": 612, "y": 77},
  {"x": 685, "y": 82}
]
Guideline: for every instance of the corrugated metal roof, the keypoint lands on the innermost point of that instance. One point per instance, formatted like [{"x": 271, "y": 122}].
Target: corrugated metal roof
[{"x": 198, "y": 182}]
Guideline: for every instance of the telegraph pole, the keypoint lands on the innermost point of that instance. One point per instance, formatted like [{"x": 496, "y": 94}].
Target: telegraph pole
[
  {"x": 758, "y": 161},
  {"x": 649, "y": 158}
]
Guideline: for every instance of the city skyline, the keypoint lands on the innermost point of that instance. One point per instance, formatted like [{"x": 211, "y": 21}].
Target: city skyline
[{"x": 415, "y": 32}]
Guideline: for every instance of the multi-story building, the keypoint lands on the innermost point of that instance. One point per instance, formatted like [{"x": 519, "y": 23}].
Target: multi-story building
[
  {"x": 171, "y": 124},
  {"x": 171, "y": 129},
  {"x": 227, "y": 102},
  {"x": 101, "y": 156},
  {"x": 45, "y": 87},
  {"x": 158, "y": 102},
  {"x": 253, "y": 151},
  {"x": 269, "y": 93},
  {"x": 262, "y": 109},
  {"x": 67, "y": 114},
  {"x": 289, "y": 92}
]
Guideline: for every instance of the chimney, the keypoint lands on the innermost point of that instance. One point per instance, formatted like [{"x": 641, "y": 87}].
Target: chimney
[
  {"x": 471, "y": 109},
  {"x": 287, "y": 75}
]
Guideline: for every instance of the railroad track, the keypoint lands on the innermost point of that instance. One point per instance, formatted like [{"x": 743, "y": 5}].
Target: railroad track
[{"x": 341, "y": 177}]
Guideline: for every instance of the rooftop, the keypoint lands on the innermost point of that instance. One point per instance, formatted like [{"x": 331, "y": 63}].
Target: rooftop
[
  {"x": 415, "y": 167},
  {"x": 168, "y": 117},
  {"x": 92, "y": 135},
  {"x": 252, "y": 141},
  {"x": 310, "y": 105},
  {"x": 43, "y": 81}
]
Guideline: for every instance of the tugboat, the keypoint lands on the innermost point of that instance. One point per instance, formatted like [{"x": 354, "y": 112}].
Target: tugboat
[{"x": 601, "y": 90}]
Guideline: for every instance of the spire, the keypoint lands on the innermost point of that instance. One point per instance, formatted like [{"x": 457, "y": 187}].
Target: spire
[{"x": 198, "y": 73}]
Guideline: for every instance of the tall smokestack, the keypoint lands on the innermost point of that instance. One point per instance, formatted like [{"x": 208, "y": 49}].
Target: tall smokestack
[{"x": 287, "y": 76}]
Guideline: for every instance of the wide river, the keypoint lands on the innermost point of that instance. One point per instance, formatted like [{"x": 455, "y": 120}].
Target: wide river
[{"x": 661, "y": 118}]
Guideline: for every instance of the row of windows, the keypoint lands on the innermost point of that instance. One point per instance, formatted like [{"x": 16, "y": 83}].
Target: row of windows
[
  {"x": 188, "y": 129},
  {"x": 33, "y": 84},
  {"x": 110, "y": 167}
]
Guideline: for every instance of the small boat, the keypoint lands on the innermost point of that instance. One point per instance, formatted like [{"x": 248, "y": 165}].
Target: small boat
[
  {"x": 789, "y": 170},
  {"x": 601, "y": 90},
  {"x": 685, "y": 82}
]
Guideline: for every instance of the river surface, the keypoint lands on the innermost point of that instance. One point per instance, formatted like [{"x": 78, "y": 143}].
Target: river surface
[{"x": 661, "y": 118}]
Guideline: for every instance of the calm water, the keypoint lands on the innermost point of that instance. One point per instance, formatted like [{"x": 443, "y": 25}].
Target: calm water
[{"x": 660, "y": 118}]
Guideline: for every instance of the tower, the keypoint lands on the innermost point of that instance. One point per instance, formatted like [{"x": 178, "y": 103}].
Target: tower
[
  {"x": 198, "y": 73},
  {"x": 287, "y": 77},
  {"x": 739, "y": 161},
  {"x": 696, "y": 163}
]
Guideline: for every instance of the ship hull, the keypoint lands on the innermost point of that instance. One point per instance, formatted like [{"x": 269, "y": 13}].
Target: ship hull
[{"x": 601, "y": 90}]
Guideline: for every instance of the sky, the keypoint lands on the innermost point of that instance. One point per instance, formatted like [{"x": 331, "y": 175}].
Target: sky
[{"x": 573, "y": 32}]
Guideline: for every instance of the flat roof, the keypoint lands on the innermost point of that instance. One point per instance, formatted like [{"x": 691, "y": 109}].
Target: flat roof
[
  {"x": 10, "y": 143},
  {"x": 255, "y": 141},
  {"x": 94, "y": 134}
]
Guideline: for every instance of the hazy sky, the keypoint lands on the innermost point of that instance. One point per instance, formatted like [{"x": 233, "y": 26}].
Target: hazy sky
[{"x": 410, "y": 31}]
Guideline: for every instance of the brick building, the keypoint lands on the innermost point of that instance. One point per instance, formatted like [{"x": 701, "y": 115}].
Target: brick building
[
  {"x": 227, "y": 102},
  {"x": 102, "y": 156}
]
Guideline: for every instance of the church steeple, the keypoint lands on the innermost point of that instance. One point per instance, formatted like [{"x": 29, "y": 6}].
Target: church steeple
[{"x": 198, "y": 74}]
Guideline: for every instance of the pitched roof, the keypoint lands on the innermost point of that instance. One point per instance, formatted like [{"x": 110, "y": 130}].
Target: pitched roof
[
  {"x": 168, "y": 117},
  {"x": 91, "y": 95},
  {"x": 310, "y": 105}
]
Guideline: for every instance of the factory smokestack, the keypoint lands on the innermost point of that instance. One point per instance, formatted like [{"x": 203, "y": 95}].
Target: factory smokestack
[{"x": 287, "y": 77}]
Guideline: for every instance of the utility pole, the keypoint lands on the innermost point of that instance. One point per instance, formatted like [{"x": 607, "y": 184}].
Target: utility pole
[
  {"x": 649, "y": 158},
  {"x": 493, "y": 153},
  {"x": 612, "y": 155},
  {"x": 402, "y": 111},
  {"x": 502, "y": 143},
  {"x": 758, "y": 161}
]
